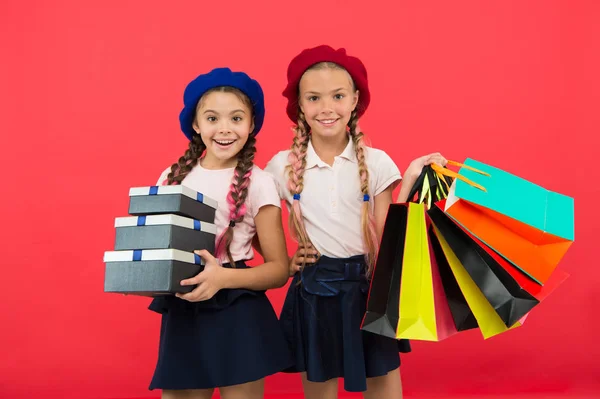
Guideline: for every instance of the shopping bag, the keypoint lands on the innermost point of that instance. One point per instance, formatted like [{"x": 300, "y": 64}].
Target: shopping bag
[
  {"x": 406, "y": 297},
  {"x": 489, "y": 322},
  {"x": 530, "y": 226},
  {"x": 382, "y": 313},
  {"x": 504, "y": 294}
]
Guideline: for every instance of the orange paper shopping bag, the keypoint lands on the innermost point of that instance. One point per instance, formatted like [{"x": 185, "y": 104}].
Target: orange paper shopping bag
[{"x": 530, "y": 226}]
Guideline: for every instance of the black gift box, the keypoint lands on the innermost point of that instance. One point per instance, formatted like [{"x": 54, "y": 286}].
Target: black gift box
[
  {"x": 150, "y": 272},
  {"x": 179, "y": 199},
  {"x": 164, "y": 232}
]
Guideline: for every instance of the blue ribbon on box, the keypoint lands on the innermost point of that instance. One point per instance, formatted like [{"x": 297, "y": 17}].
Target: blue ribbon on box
[
  {"x": 196, "y": 225},
  {"x": 197, "y": 259},
  {"x": 154, "y": 191}
]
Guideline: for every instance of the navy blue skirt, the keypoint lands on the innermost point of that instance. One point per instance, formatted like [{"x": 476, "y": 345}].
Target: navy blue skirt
[
  {"x": 231, "y": 339},
  {"x": 321, "y": 319}
]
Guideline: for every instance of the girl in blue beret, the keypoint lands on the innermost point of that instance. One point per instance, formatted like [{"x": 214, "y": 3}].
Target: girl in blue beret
[{"x": 225, "y": 334}]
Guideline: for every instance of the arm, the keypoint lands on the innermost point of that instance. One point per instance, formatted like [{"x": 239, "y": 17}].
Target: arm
[
  {"x": 256, "y": 245},
  {"x": 295, "y": 262},
  {"x": 274, "y": 272},
  {"x": 406, "y": 186},
  {"x": 271, "y": 274}
]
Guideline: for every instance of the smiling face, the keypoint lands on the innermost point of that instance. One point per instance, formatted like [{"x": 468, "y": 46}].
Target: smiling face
[
  {"x": 224, "y": 120},
  {"x": 327, "y": 97}
]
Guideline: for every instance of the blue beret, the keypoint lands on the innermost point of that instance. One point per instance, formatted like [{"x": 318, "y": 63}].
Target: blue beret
[{"x": 216, "y": 78}]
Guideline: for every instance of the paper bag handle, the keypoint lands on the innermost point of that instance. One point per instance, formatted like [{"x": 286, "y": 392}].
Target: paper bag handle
[{"x": 450, "y": 173}]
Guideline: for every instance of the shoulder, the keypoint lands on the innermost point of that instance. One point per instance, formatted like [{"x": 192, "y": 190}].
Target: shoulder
[
  {"x": 376, "y": 155},
  {"x": 383, "y": 169},
  {"x": 259, "y": 174},
  {"x": 277, "y": 165},
  {"x": 262, "y": 190},
  {"x": 279, "y": 160},
  {"x": 162, "y": 180},
  {"x": 261, "y": 180},
  {"x": 379, "y": 160}
]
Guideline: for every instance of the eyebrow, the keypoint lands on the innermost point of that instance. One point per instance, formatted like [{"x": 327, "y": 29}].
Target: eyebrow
[
  {"x": 333, "y": 91},
  {"x": 231, "y": 113}
]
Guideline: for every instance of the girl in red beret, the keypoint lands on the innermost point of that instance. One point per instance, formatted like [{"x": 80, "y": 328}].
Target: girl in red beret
[{"x": 338, "y": 191}]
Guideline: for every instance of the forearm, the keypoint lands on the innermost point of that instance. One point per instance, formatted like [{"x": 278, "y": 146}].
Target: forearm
[
  {"x": 406, "y": 186},
  {"x": 266, "y": 276}
]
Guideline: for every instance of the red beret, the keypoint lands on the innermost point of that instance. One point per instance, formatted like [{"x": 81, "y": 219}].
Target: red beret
[{"x": 312, "y": 56}]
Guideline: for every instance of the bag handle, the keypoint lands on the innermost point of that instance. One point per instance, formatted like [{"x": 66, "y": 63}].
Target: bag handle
[
  {"x": 462, "y": 165},
  {"x": 450, "y": 173}
]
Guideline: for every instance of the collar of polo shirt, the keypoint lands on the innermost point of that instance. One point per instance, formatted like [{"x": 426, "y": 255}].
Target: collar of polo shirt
[{"x": 312, "y": 159}]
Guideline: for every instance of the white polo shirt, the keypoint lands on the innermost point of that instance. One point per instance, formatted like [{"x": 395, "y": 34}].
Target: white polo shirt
[{"x": 331, "y": 200}]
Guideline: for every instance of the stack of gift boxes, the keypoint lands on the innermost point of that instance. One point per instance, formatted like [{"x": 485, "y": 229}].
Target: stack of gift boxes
[{"x": 154, "y": 247}]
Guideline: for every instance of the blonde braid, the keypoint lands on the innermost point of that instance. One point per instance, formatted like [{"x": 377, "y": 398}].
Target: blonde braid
[
  {"x": 295, "y": 170},
  {"x": 367, "y": 218}
]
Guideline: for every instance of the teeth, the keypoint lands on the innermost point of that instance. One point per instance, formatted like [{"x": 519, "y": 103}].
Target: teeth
[
  {"x": 328, "y": 121},
  {"x": 224, "y": 142}
]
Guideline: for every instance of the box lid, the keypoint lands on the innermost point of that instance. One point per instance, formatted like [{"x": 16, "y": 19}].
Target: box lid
[
  {"x": 152, "y": 254},
  {"x": 173, "y": 189},
  {"x": 166, "y": 219}
]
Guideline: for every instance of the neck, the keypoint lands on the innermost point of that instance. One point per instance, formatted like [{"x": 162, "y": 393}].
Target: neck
[
  {"x": 327, "y": 148},
  {"x": 213, "y": 163}
]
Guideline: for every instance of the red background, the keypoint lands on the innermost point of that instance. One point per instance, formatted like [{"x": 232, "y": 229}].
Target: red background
[{"x": 91, "y": 92}]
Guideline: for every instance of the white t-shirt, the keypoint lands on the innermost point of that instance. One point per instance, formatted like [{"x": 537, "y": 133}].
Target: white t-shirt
[
  {"x": 331, "y": 200},
  {"x": 215, "y": 184}
]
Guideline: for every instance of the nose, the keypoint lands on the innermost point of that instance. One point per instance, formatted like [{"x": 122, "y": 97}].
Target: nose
[
  {"x": 224, "y": 126},
  {"x": 327, "y": 106}
]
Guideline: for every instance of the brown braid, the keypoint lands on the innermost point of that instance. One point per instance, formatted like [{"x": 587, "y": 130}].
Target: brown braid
[
  {"x": 186, "y": 163},
  {"x": 237, "y": 195}
]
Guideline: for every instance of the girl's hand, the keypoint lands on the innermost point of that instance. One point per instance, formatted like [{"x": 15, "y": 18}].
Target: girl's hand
[
  {"x": 416, "y": 166},
  {"x": 209, "y": 281},
  {"x": 308, "y": 255}
]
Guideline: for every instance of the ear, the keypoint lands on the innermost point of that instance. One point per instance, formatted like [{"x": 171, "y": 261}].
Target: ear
[
  {"x": 252, "y": 126},
  {"x": 195, "y": 126},
  {"x": 355, "y": 100}
]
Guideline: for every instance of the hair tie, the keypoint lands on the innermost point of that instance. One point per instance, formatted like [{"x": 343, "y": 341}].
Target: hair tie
[
  {"x": 232, "y": 223},
  {"x": 296, "y": 196},
  {"x": 366, "y": 197}
]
